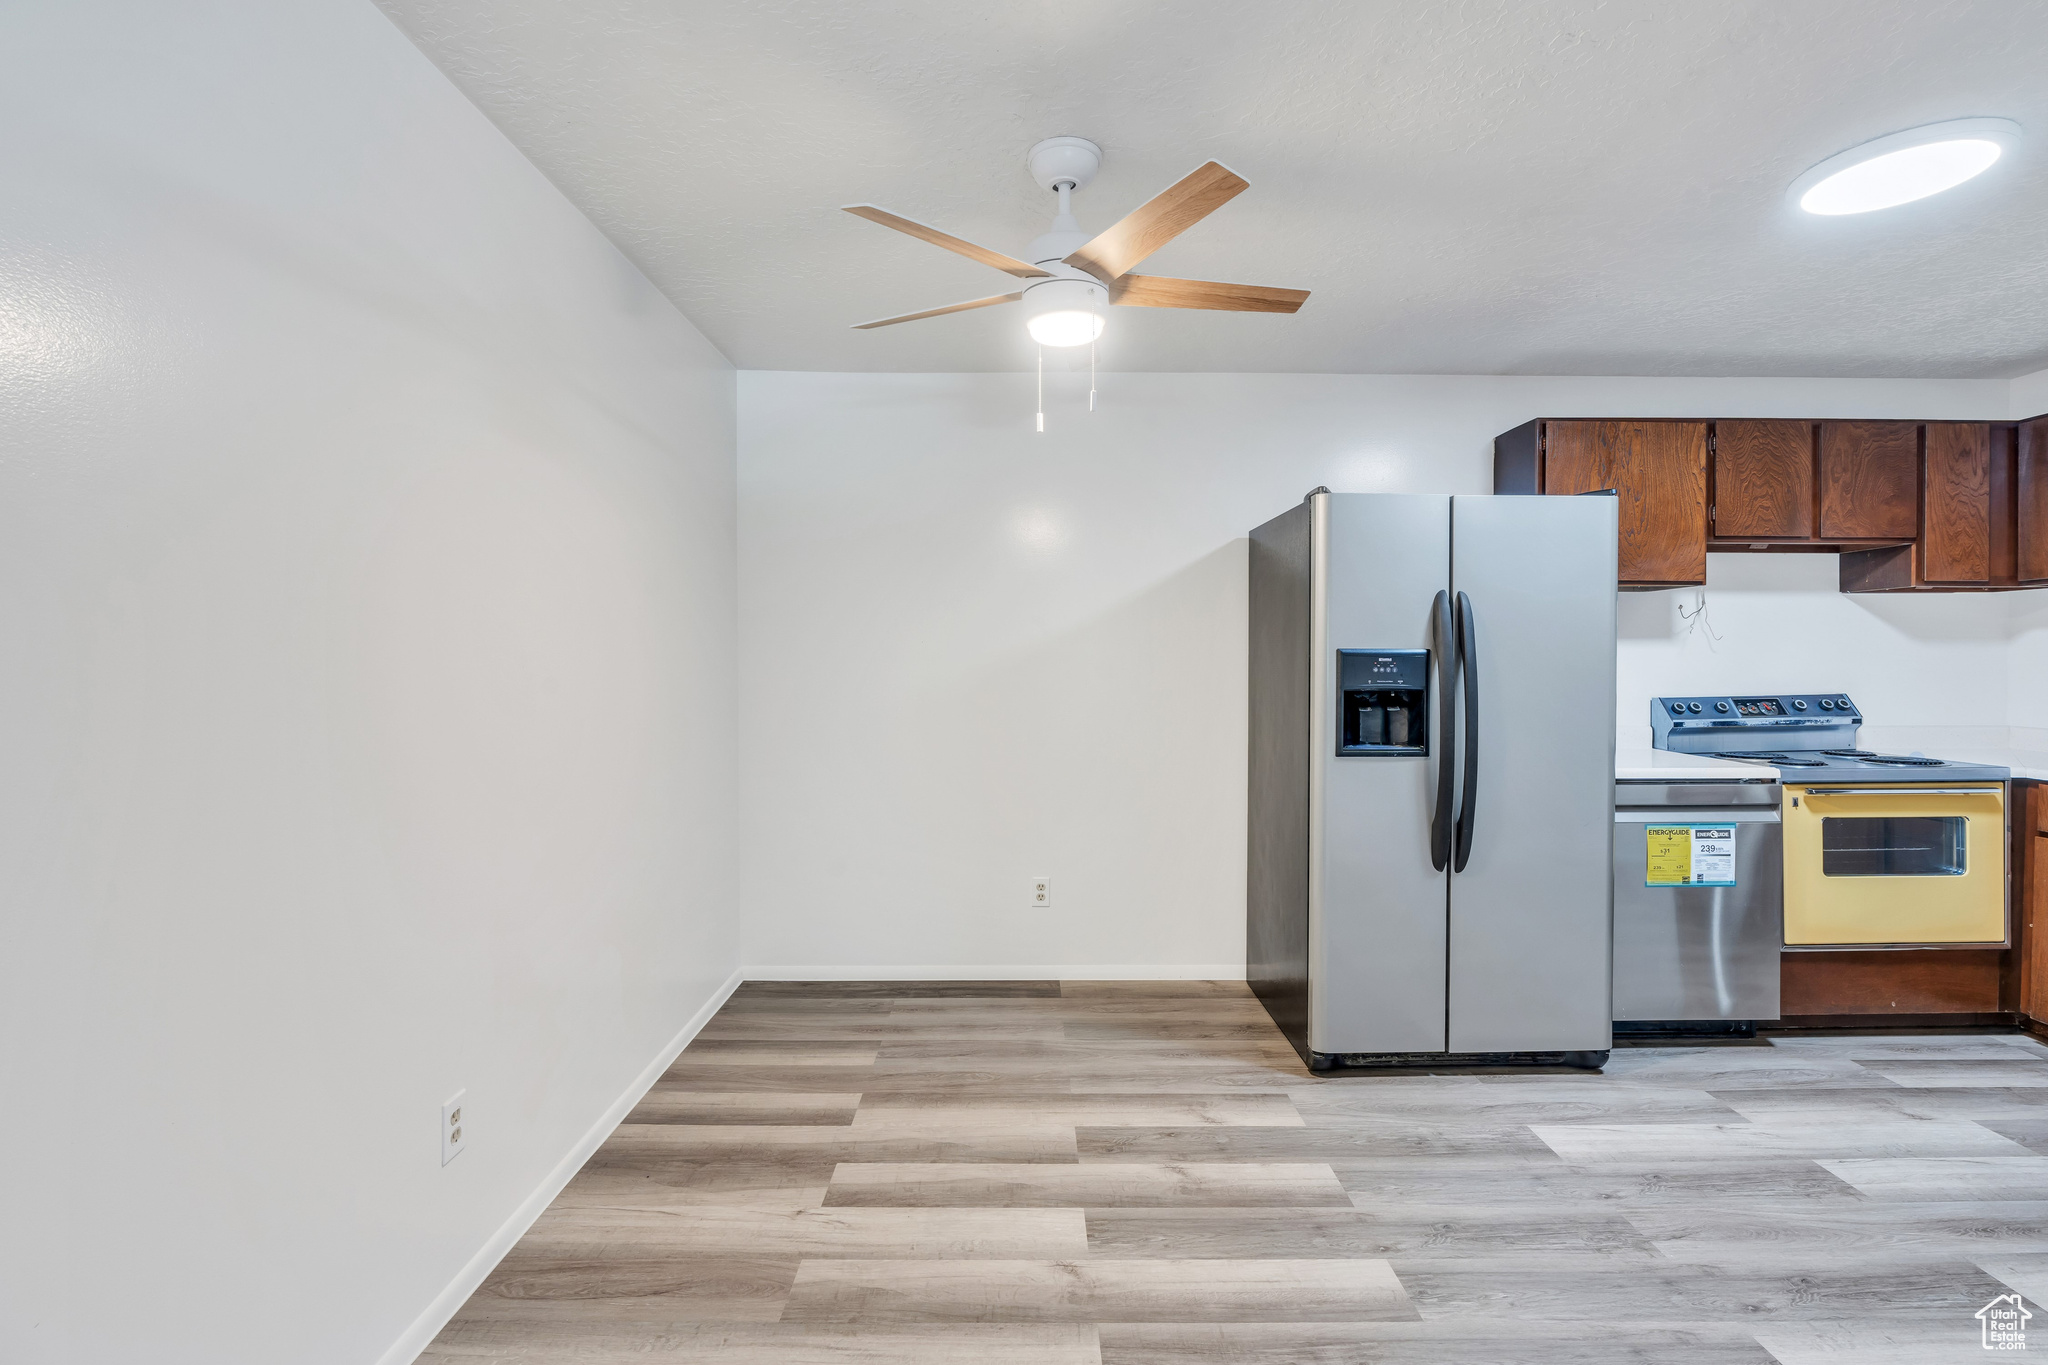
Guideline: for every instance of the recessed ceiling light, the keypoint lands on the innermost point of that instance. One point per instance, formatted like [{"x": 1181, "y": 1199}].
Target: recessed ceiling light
[{"x": 1902, "y": 167}]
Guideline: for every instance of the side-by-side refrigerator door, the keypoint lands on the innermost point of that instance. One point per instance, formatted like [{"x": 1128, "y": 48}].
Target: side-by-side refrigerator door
[
  {"x": 1376, "y": 904},
  {"x": 1532, "y": 887}
]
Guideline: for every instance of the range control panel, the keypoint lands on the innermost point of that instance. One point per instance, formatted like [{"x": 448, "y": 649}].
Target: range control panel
[
  {"x": 1703, "y": 725},
  {"x": 1829, "y": 706}
]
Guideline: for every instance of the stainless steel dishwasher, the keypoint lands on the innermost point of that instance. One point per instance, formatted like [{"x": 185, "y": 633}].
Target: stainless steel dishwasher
[{"x": 1698, "y": 905}]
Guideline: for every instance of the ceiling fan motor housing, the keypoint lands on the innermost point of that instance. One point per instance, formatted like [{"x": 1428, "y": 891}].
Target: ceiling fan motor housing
[
  {"x": 1064, "y": 161},
  {"x": 1083, "y": 295}
]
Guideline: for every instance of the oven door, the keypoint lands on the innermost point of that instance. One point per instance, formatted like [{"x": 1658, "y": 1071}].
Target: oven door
[{"x": 1894, "y": 864}]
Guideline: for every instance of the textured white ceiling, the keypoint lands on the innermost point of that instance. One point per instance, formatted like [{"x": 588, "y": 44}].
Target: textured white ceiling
[{"x": 1520, "y": 186}]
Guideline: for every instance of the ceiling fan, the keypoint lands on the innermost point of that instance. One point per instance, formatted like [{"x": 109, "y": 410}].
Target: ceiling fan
[{"x": 1071, "y": 276}]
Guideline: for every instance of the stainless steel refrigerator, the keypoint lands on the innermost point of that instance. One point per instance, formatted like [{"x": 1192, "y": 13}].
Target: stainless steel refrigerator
[{"x": 1432, "y": 777}]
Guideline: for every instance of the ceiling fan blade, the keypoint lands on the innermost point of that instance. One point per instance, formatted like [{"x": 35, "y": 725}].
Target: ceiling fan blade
[
  {"x": 1023, "y": 270},
  {"x": 1159, "y": 220},
  {"x": 938, "y": 312},
  {"x": 1159, "y": 291}
]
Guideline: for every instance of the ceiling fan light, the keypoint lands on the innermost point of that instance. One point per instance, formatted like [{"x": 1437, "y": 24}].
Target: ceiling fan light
[
  {"x": 1067, "y": 327},
  {"x": 1903, "y": 167},
  {"x": 1065, "y": 311}
]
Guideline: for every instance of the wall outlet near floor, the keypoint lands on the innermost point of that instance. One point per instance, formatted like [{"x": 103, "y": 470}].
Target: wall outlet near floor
[
  {"x": 454, "y": 1137},
  {"x": 1041, "y": 892}
]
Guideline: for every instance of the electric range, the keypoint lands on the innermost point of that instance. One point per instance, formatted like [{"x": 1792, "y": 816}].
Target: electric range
[
  {"x": 1879, "y": 850},
  {"x": 1809, "y": 737}
]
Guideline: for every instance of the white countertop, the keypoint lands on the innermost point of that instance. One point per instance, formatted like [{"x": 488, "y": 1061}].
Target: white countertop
[
  {"x": 2018, "y": 749},
  {"x": 2023, "y": 762},
  {"x": 1661, "y": 765}
]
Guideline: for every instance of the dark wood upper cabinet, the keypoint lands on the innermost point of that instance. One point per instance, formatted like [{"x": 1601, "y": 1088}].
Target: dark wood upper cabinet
[
  {"x": 1908, "y": 506},
  {"x": 1869, "y": 480},
  {"x": 1578, "y": 457},
  {"x": 1659, "y": 471},
  {"x": 1955, "y": 536},
  {"x": 2031, "y": 502},
  {"x": 1976, "y": 527},
  {"x": 1763, "y": 480}
]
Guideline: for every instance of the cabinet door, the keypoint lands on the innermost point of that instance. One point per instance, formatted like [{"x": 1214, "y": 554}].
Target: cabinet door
[
  {"x": 1763, "y": 479},
  {"x": 1659, "y": 471},
  {"x": 1955, "y": 544},
  {"x": 2031, "y": 499},
  {"x": 1869, "y": 480},
  {"x": 2030, "y": 885},
  {"x": 1578, "y": 457}
]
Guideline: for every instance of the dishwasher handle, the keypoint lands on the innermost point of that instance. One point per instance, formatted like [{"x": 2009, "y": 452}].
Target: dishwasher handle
[{"x": 1696, "y": 815}]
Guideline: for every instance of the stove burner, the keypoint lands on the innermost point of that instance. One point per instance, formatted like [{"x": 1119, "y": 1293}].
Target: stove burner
[
  {"x": 1891, "y": 760},
  {"x": 1776, "y": 760}
]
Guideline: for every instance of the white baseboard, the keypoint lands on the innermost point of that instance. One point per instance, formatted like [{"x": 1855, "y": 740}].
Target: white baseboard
[
  {"x": 1122, "y": 971},
  {"x": 429, "y": 1324}
]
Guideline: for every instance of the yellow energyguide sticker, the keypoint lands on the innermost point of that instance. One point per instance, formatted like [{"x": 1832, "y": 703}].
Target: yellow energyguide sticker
[{"x": 1668, "y": 855}]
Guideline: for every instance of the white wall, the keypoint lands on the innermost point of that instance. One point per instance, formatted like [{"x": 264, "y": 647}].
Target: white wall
[
  {"x": 1779, "y": 623},
  {"x": 971, "y": 654},
  {"x": 366, "y": 583},
  {"x": 2028, "y": 395},
  {"x": 2027, "y": 669}
]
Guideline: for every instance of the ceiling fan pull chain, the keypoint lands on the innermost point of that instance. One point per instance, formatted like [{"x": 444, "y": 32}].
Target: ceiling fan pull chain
[
  {"x": 1091, "y": 376},
  {"x": 1041, "y": 388}
]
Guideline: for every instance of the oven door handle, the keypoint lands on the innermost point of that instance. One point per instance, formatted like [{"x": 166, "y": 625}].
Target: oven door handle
[{"x": 1904, "y": 791}]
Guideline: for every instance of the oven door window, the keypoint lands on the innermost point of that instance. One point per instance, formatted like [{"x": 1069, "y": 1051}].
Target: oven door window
[{"x": 1894, "y": 846}]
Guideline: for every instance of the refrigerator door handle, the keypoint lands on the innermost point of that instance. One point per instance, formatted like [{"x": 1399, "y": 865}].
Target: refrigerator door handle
[
  {"x": 1468, "y": 662},
  {"x": 1447, "y": 730}
]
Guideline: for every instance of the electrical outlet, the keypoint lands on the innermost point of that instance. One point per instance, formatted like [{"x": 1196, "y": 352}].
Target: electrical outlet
[
  {"x": 1041, "y": 892},
  {"x": 454, "y": 1132}
]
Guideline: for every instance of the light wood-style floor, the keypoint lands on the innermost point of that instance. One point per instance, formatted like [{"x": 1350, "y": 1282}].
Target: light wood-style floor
[{"x": 1142, "y": 1173}]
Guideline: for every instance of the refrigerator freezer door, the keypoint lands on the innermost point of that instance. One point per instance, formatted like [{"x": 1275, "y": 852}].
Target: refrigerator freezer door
[
  {"x": 1376, "y": 906},
  {"x": 1530, "y": 914}
]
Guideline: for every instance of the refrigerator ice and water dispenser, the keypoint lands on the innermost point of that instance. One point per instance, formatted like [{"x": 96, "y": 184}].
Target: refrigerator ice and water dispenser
[{"x": 1383, "y": 702}]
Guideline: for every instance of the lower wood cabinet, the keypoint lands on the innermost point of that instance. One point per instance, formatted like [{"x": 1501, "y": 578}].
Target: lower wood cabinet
[
  {"x": 1848, "y": 987},
  {"x": 2029, "y": 863}
]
